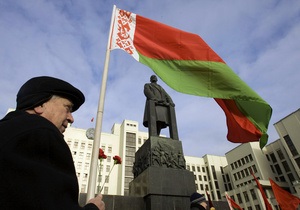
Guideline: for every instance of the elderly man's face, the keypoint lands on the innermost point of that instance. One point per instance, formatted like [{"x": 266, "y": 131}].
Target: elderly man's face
[{"x": 58, "y": 111}]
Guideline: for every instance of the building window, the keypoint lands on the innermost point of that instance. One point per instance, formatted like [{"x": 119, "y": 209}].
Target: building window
[
  {"x": 278, "y": 169},
  {"x": 253, "y": 194},
  {"x": 238, "y": 195},
  {"x": 217, "y": 185},
  {"x": 290, "y": 145},
  {"x": 257, "y": 207},
  {"x": 291, "y": 177},
  {"x": 109, "y": 149},
  {"x": 298, "y": 162},
  {"x": 108, "y": 159},
  {"x": 105, "y": 190},
  {"x": 286, "y": 166},
  {"x": 273, "y": 158},
  {"x": 280, "y": 154},
  {"x": 250, "y": 157},
  {"x": 130, "y": 139}
]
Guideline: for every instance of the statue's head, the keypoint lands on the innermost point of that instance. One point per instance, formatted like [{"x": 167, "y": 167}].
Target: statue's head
[{"x": 153, "y": 78}]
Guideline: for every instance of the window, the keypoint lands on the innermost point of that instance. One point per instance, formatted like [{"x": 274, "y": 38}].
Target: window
[
  {"x": 298, "y": 162},
  {"x": 290, "y": 145},
  {"x": 257, "y": 207},
  {"x": 273, "y": 158},
  {"x": 109, "y": 149},
  {"x": 286, "y": 166},
  {"x": 253, "y": 194},
  {"x": 278, "y": 169},
  {"x": 130, "y": 151},
  {"x": 250, "y": 157},
  {"x": 130, "y": 139},
  {"x": 217, "y": 185},
  {"x": 291, "y": 177},
  {"x": 214, "y": 172},
  {"x": 280, "y": 154},
  {"x": 105, "y": 190},
  {"x": 108, "y": 159},
  {"x": 238, "y": 195}
]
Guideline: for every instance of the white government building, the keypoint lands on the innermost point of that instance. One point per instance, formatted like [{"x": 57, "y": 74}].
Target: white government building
[{"x": 279, "y": 160}]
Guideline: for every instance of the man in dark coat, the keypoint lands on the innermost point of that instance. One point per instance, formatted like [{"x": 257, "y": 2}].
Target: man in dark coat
[
  {"x": 198, "y": 202},
  {"x": 154, "y": 92},
  {"x": 36, "y": 165}
]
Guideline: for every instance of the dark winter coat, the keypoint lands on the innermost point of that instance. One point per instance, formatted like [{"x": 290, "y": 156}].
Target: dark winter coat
[
  {"x": 36, "y": 166},
  {"x": 196, "y": 206}
]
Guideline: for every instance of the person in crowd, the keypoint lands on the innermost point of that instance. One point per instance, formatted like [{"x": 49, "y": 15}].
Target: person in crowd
[
  {"x": 36, "y": 166},
  {"x": 198, "y": 202}
]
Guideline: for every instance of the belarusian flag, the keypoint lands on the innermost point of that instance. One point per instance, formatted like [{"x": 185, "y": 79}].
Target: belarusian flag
[
  {"x": 233, "y": 205},
  {"x": 188, "y": 65},
  {"x": 286, "y": 200}
]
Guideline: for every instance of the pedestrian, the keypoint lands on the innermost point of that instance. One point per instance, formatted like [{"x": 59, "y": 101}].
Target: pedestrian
[
  {"x": 198, "y": 202},
  {"x": 36, "y": 166}
]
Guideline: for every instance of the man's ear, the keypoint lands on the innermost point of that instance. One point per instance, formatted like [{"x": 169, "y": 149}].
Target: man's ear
[{"x": 39, "y": 109}]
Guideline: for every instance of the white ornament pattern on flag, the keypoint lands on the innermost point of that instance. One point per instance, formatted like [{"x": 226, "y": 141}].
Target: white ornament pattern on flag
[{"x": 123, "y": 32}]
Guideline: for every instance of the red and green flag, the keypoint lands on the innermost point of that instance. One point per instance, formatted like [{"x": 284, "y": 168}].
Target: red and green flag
[
  {"x": 263, "y": 194},
  {"x": 187, "y": 64},
  {"x": 232, "y": 204},
  {"x": 286, "y": 200}
]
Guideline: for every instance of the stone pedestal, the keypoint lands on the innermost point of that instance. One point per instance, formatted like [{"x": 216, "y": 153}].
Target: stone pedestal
[{"x": 160, "y": 175}]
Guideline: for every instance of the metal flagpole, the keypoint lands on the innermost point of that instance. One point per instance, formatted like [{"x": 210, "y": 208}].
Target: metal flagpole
[{"x": 94, "y": 161}]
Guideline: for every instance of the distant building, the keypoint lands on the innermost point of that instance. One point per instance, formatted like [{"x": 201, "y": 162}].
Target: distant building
[{"x": 216, "y": 175}]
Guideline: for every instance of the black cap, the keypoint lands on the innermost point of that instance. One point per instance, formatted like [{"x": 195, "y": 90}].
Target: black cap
[{"x": 38, "y": 90}]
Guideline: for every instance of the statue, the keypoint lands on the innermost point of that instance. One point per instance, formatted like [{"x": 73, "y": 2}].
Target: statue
[{"x": 159, "y": 110}]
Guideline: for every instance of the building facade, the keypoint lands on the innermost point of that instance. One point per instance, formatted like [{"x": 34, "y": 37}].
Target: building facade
[{"x": 214, "y": 175}]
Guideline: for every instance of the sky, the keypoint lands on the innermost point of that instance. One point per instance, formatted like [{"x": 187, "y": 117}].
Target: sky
[{"x": 67, "y": 39}]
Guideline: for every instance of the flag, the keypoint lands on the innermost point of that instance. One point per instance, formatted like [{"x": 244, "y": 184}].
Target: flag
[
  {"x": 267, "y": 204},
  {"x": 286, "y": 200},
  {"x": 233, "y": 205},
  {"x": 188, "y": 65},
  {"x": 210, "y": 204}
]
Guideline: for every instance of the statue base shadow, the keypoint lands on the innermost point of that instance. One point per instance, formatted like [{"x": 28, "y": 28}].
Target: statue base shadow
[
  {"x": 161, "y": 181},
  {"x": 160, "y": 175}
]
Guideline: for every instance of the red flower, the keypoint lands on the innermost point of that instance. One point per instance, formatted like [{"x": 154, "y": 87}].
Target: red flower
[
  {"x": 117, "y": 159},
  {"x": 101, "y": 154}
]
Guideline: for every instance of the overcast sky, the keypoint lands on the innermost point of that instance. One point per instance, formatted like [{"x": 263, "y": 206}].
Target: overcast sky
[{"x": 67, "y": 39}]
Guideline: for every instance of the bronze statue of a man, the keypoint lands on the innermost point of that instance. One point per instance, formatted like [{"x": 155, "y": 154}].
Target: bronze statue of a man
[{"x": 159, "y": 111}]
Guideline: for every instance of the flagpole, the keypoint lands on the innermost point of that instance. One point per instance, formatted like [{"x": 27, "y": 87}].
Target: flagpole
[{"x": 94, "y": 160}]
